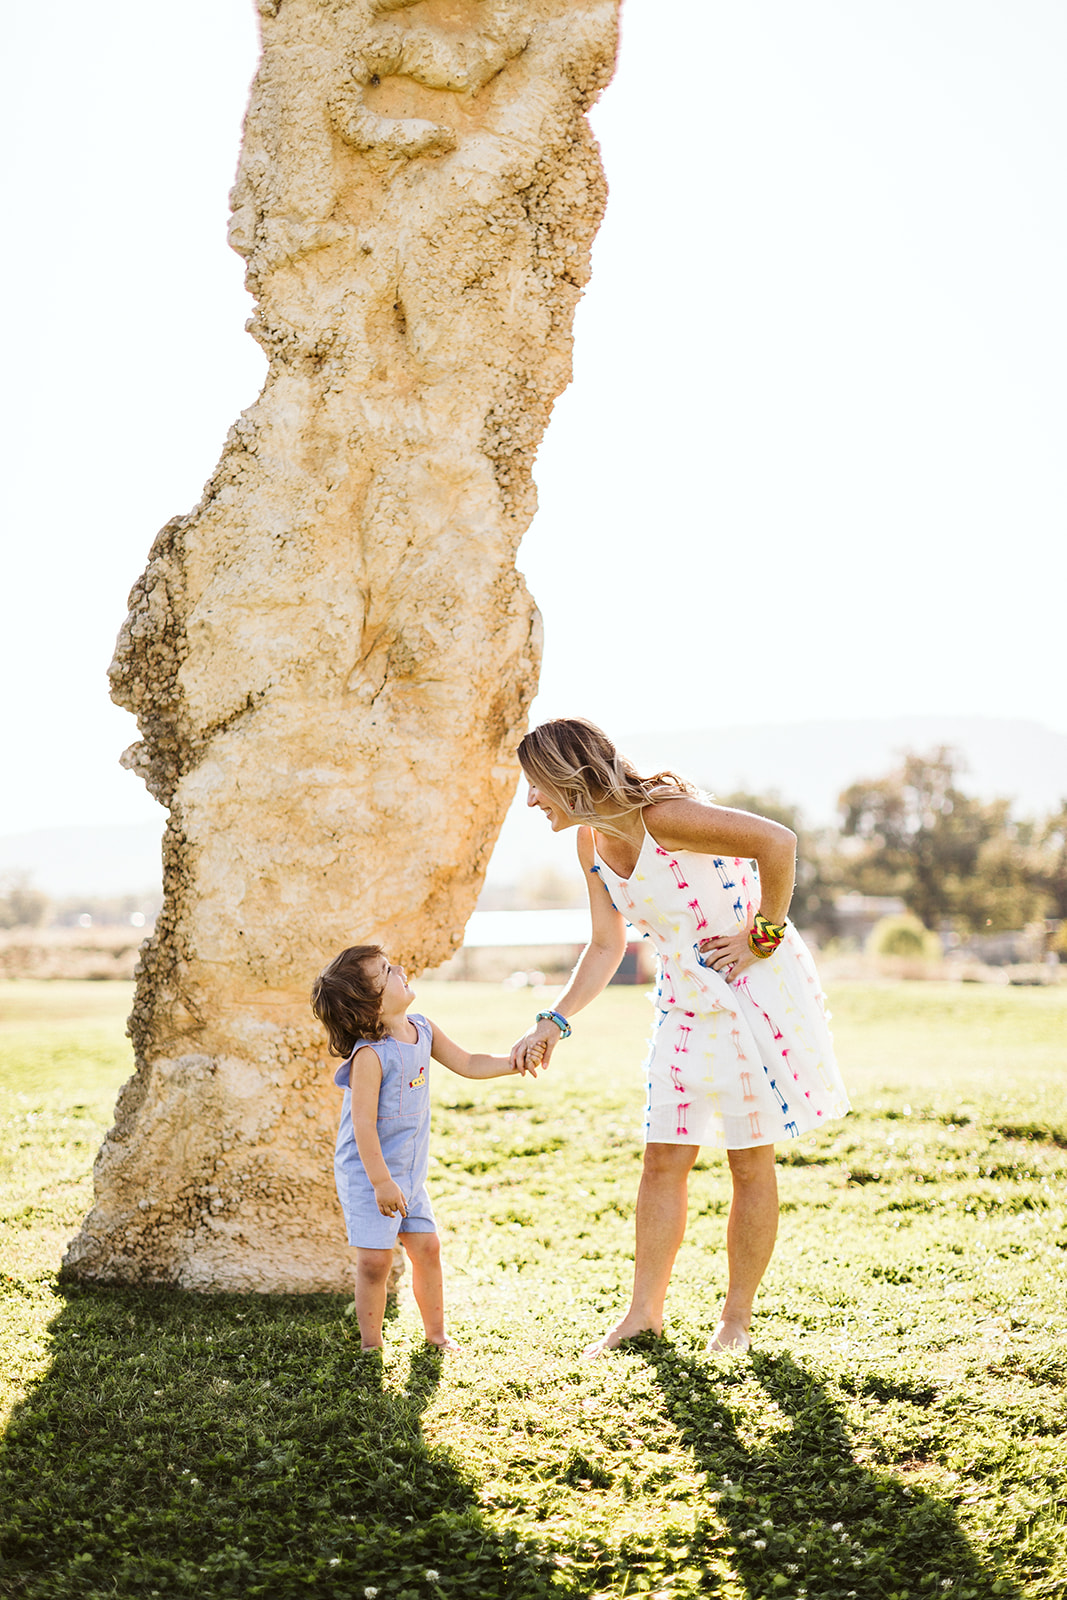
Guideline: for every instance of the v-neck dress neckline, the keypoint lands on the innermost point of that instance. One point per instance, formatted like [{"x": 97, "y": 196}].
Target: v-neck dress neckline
[{"x": 646, "y": 840}]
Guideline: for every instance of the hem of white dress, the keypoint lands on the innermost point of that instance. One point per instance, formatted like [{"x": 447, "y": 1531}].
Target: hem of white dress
[{"x": 757, "y": 1143}]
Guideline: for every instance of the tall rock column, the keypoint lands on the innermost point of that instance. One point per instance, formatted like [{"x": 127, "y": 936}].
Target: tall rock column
[{"x": 332, "y": 656}]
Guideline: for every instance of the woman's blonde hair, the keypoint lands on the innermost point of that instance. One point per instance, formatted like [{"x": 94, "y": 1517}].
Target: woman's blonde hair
[{"x": 576, "y": 761}]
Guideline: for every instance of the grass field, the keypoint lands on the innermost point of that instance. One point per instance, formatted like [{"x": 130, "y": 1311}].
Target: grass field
[{"x": 899, "y": 1430}]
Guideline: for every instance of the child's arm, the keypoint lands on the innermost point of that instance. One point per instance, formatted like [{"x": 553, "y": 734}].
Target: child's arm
[
  {"x": 458, "y": 1060},
  {"x": 365, "y": 1078}
]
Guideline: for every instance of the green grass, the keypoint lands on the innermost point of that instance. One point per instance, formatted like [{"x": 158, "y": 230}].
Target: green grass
[
  {"x": 897, "y": 1432},
  {"x": 62, "y": 1057}
]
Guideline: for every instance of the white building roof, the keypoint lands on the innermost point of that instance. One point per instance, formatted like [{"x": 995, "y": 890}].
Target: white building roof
[{"x": 500, "y": 929}]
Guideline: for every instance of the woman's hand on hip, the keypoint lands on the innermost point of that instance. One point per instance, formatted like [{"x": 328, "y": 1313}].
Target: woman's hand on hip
[
  {"x": 730, "y": 954},
  {"x": 535, "y": 1047}
]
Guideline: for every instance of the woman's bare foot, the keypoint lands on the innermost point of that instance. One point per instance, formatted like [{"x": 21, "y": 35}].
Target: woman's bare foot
[
  {"x": 629, "y": 1328},
  {"x": 445, "y": 1344},
  {"x": 729, "y": 1335}
]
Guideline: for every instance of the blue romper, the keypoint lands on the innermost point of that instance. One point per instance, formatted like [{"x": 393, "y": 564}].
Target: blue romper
[{"x": 404, "y": 1132}]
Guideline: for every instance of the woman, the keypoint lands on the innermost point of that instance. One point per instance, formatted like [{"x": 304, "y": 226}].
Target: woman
[{"x": 741, "y": 1053}]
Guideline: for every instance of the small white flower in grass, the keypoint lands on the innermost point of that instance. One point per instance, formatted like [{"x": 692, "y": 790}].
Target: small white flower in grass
[
  {"x": 766, "y": 1523},
  {"x": 335, "y": 1561},
  {"x": 835, "y": 1527},
  {"x": 370, "y": 1592},
  {"x": 759, "y": 1544},
  {"x": 431, "y": 1575}
]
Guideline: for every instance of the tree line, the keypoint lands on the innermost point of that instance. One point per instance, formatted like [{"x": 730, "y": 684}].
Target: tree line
[
  {"x": 23, "y": 906},
  {"x": 958, "y": 863}
]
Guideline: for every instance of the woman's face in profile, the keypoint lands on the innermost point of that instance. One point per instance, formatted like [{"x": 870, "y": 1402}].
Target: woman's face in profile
[{"x": 555, "y": 809}]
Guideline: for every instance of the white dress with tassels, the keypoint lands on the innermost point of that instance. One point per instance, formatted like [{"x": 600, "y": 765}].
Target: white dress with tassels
[{"x": 736, "y": 1064}]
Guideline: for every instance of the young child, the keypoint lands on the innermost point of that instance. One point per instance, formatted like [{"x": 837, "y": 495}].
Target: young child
[{"x": 383, "y": 1143}]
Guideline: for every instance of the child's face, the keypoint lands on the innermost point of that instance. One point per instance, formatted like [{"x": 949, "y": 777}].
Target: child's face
[{"x": 395, "y": 992}]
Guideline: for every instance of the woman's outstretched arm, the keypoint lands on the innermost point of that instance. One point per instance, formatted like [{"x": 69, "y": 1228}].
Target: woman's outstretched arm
[{"x": 596, "y": 966}]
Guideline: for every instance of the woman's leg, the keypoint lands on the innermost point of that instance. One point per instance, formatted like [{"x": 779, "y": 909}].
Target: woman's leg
[
  {"x": 750, "y": 1234},
  {"x": 427, "y": 1285},
  {"x": 662, "y": 1202},
  {"x": 372, "y": 1278}
]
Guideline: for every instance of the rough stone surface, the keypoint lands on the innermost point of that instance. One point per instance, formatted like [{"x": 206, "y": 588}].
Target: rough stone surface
[{"x": 331, "y": 658}]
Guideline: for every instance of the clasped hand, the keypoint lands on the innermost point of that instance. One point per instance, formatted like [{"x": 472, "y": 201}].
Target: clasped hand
[{"x": 535, "y": 1047}]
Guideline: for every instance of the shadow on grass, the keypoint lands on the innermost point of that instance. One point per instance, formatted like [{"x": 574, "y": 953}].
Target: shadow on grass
[
  {"x": 799, "y": 1512},
  {"x": 237, "y": 1445}
]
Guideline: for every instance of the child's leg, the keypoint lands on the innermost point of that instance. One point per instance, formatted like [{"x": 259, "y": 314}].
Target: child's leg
[
  {"x": 372, "y": 1279},
  {"x": 424, "y": 1250}
]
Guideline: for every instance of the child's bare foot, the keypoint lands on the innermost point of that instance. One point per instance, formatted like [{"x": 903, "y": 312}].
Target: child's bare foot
[
  {"x": 445, "y": 1344},
  {"x": 729, "y": 1335},
  {"x": 628, "y": 1328}
]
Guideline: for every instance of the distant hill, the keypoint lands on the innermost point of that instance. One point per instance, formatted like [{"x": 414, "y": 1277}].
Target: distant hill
[
  {"x": 105, "y": 861},
  {"x": 805, "y": 763}
]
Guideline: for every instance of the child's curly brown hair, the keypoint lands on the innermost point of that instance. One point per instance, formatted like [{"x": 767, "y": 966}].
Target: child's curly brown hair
[{"x": 347, "y": 998}]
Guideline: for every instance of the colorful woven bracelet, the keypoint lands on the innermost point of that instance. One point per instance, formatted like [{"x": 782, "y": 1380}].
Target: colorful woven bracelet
[
  {"x": 561, "y": 1022},
  {"x": 765, "y": 937}
]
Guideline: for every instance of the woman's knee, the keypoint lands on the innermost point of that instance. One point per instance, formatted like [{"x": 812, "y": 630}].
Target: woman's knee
[
  {"x": 752, "y": 1166},
  {"x": 669, "y": 1160}
]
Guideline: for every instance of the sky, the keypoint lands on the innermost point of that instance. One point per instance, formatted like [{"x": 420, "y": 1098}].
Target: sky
[{"x": 811, "y": 464}]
